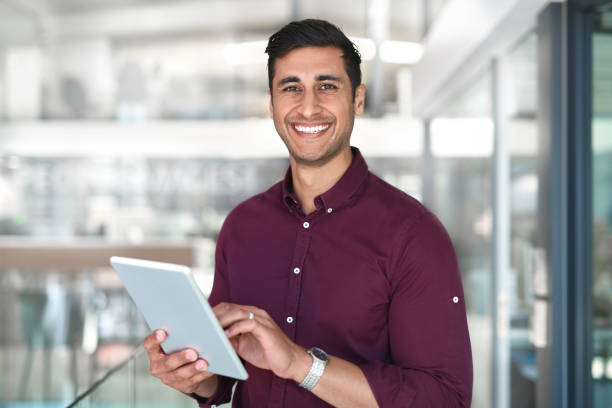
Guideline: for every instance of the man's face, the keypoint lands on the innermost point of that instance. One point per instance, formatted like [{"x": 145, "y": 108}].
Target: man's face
[{"x": 312, "y": 104}]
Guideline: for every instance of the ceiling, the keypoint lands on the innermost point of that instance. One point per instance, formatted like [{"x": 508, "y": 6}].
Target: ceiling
[
  {"x": 29, "y": 20},
  {"x": 179, "y": 46}
]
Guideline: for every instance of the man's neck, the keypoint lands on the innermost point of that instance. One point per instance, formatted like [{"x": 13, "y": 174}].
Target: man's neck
[{"x": 312, "y": 181}]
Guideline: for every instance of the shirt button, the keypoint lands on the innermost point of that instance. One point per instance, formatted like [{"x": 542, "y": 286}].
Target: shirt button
[
  {"x": 306, "y": 224},
  {"x": 455, "y": 299},
  {"x": 296, "y": 270},
  {"x": 290, "y": 319},
  {"x": 329, "y": 210}
]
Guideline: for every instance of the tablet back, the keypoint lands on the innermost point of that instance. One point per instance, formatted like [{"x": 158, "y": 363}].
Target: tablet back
[{"x": 168, "y": 297}]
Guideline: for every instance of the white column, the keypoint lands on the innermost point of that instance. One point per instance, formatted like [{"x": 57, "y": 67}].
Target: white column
[
  {"x": 502, "y": 277},
  {"x": 378, "y": 30}
]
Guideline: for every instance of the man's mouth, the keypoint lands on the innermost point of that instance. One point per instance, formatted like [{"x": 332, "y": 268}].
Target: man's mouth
[{"x": 311, "y": 130}]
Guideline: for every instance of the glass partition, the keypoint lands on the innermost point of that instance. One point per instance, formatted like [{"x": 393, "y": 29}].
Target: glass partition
[
  {"x": 602, "y": 209},
  {"x": 131, "y": 385}
]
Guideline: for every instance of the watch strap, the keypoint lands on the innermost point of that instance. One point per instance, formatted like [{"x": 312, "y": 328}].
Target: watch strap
[{"x": 315, "y": 373}]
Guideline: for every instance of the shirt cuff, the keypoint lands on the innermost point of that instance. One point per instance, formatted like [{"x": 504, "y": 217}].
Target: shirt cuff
[
  {"x": 386, "y": 384},
  {"x": 222, "y": 395}
]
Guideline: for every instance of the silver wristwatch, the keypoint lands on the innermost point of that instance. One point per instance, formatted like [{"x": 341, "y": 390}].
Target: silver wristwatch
[{"x": 319, "y": 361}]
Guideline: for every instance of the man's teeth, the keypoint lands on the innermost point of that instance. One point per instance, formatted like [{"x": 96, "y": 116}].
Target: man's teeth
[{"x": 311, "y": 129}]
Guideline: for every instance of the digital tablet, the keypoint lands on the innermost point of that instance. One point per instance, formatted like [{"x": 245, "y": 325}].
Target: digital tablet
[{"x": 169, "y": 299}]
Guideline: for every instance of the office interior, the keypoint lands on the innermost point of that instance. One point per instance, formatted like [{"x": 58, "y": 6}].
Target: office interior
[{"x": 132, "y": 127}]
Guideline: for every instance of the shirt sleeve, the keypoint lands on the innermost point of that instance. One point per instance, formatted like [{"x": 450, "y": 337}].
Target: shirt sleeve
[
  {"x": 220, "y": 292},
  {"x": 430, "y": 352}
]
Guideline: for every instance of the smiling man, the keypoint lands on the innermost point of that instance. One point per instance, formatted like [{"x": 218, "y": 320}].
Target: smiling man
[{"x": 334, "y": 287}]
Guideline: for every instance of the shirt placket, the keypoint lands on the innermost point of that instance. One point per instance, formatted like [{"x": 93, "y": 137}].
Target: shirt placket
[{"x": 292, "y": 300}]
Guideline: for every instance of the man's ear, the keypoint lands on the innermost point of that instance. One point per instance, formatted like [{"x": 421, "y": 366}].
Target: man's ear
[
  {"x": 359, "y": 102},
  {"x": 270, "y": 107}
]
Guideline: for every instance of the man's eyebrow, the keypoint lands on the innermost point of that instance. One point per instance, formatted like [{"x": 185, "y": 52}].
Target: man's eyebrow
[
  {"x": 287, "y": 80},
  {"x": 327, "y": 77}
]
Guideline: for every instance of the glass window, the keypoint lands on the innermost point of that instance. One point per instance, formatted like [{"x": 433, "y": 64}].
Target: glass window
[
  {"x": 527, "y": 321},
  {"x": 462, "y": 145}
]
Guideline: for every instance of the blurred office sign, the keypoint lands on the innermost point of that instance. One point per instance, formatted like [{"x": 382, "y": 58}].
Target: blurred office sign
[{"x": 23, "y": 78}]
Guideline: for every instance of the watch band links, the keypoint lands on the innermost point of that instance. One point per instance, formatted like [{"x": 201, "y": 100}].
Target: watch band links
[{"x": 315, "y": 373}]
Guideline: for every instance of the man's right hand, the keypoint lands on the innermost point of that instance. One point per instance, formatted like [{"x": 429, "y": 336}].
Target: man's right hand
[{"x": 182, "y": 370}]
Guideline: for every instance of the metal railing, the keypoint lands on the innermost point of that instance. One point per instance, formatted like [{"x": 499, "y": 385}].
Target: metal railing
[{"x": 131, "y": 385}]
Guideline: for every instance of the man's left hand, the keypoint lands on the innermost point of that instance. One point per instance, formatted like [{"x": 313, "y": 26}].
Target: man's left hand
[{"x": 258, "y": 339}]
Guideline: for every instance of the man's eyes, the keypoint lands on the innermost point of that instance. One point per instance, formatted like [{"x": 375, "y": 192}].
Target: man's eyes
[
  {"x": 324, "y": 87},
  {"x": 328, "y": 86},
  {"x": 291, "y": 88}
]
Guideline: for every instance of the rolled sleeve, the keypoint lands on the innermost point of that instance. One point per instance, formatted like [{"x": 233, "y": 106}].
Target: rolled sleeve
[{"x": 431, "y": 361}]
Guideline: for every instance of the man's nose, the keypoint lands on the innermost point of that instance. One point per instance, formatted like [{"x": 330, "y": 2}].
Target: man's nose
[{"x": 309, "y": 105}]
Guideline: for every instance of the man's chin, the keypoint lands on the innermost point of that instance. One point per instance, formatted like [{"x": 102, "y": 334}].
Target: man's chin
[{"x": 314, "y": 159}]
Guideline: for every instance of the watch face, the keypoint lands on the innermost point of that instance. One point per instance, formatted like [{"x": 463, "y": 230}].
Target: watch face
[{"x": 318, "y": 353}]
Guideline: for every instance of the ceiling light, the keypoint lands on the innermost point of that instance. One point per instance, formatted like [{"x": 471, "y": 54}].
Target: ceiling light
[
  {"x": 462, "y": 137},
  {"x": 401, "y": 52},
  {"x": 246, "y": 53},
  {"x": 395, "y": 52}
]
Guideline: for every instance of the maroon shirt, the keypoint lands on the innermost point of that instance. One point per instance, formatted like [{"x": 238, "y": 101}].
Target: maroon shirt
[{"x": 370, "y": 276}]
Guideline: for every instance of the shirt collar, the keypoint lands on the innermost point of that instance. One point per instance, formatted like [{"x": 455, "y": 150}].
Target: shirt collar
[{"x": 343, "y": 190}]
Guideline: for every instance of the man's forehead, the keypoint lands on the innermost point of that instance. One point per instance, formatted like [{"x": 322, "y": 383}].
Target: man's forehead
[{"x": 311, "y": 63}]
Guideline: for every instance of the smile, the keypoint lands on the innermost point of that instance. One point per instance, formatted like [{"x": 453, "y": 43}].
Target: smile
[{"x": 311, "y": 129}]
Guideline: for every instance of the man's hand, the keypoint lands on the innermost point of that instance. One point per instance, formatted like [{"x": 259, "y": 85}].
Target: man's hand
[
  {"x": 261, "y": 342},
  {"x": 182, "y": 370}
]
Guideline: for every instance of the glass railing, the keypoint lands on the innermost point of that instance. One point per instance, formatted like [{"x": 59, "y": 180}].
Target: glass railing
[{"x": 131, "y": 385}]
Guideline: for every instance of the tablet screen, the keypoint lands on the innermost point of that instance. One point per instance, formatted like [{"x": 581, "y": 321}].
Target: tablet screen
[{"x": 169, "y": 299}]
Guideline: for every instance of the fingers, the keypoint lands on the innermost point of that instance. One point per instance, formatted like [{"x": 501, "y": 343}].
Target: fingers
[
  {"x": 182, "y": 370},
  {"x": 242, "y": 327},
  {"x": 228, "y": 314},
  {"x": 191, "y": 384},
  {"x": 185, "y": 373},
  {"x": 154, "y": 339},
  {"x": 152, "y": 344},
  {"x": 234, "y": 342},
  {"x": 187, "y": 378},
  {"x": 162, "y": 363},
  {"x": 172, "y": 362}
]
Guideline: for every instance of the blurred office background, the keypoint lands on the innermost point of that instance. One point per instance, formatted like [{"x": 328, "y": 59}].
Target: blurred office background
[{"x": 133, "y": 127}]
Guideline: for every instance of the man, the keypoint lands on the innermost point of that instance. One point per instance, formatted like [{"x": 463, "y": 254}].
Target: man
[{"x": 332, "y": 258}]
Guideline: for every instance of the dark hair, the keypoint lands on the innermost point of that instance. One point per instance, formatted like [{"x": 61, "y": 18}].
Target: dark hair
[{"x": 313, "y": 33}]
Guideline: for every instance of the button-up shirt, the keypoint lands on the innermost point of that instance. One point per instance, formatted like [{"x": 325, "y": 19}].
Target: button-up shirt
[{"x": 370, "y": 276}]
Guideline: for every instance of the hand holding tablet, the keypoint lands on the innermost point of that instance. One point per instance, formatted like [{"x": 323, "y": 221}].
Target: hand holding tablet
[
  {"x": 169, "y": 299},
  {"x": 182, "y": 370}
]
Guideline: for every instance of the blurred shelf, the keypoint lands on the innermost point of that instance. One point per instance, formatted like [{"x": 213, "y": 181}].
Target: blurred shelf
[{"x": 85, "y": 253}]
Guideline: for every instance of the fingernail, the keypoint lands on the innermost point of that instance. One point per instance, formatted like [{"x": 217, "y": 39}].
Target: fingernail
[
  {"x": 200, "y": 366},
  {"x": 190, "y": 355},
  {"x": 159, "y": 335}
]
